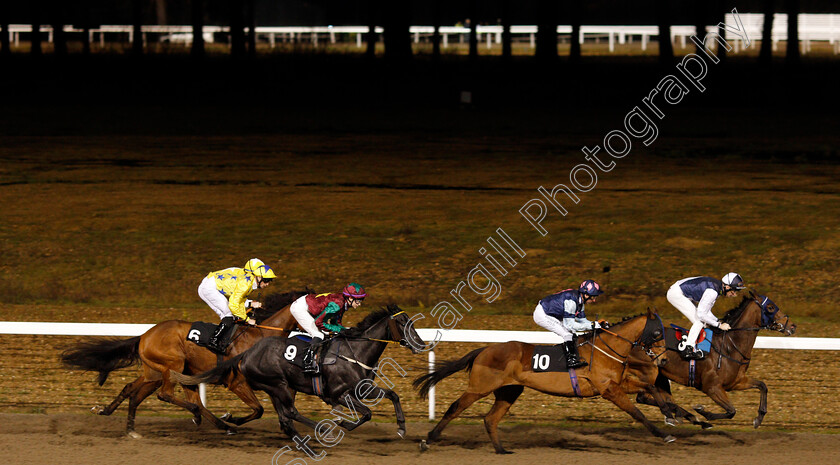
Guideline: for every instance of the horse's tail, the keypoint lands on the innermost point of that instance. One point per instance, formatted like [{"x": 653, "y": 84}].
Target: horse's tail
[
  {"x": 102, "y": 355},
  {"x": 214, "y": 375},
  {"x": 425, "y": 382}
]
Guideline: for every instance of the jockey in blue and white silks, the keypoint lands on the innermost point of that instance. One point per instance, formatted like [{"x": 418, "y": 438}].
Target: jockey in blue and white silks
[
  {"x": 563, "y": 313},
  {"x": 694, "y": 298}
]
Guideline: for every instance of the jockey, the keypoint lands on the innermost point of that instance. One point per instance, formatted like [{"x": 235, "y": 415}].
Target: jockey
[
  {"x": 563, "y": 313},
  {"x": 317, "y": 314},
  {"x": 226, "y": 292},
  {"x": 694, "y": 298}
]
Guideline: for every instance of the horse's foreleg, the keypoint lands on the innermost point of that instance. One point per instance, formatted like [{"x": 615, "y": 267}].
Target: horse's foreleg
[
  {"x": 616, "y": 395},
  {"x": 167, "y": 394},
  {"x": 362, "y": 412},
  {"x": 671, "y": 407},
  {"x": 378, "y": 393},
  {"x": 505, "y": 397},
  {"x": 192, "y": 396},
  {"x": 454, "y": 410},
  {"x": 717, "y": 394},
  {"x": 748, "y": 383},
  {"x": 240, "y": 387}
]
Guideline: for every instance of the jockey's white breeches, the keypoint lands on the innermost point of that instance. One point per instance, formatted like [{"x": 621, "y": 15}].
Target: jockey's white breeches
[
  {"x": 300, "y": 310},
  {"x": 212, "y": 297},
  {"x": 552, "y": 324}
]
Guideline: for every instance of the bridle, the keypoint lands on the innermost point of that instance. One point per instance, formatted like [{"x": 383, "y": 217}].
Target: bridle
[
  {"x": 394, "y": 335},
  {"x": 646, "y": 340},
  {"x": 768, "y": 321}
]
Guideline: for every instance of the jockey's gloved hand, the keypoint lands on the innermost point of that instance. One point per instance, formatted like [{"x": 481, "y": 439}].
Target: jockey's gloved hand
[
  {"x": 724, "y": 327},
  {"x": 604, "y": 324}
]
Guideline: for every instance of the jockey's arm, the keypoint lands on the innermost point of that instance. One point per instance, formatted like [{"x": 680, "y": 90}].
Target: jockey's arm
[
  {"x": 236, "y": 303},
  {"x": 331, "y": 309},
  {"x": 704, "y": 308},
  {"x": 573, "y": 323}
]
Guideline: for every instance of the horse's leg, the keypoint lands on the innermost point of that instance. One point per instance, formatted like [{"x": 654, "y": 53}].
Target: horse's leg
[
  {"x": 362, "y": 412},
  {"x": 240, "y": 387},
  {"x": 747, "y": 383},
  {"x": 378, "y": 392},
  {"x": 126, "y": 392},
  {"x": 283, "y": 404},
  {"x": 717, "y": 394},
  {"x": 671, "y": 407},
  {"x": 505, "y": 397},
  {"x": 192, "y": 396},
  {"x": 134, "y": 401},
  {"x": 167, "y": 394},
  {"x": 616, "y": 395},
  {"x": 454, "y": 410}
]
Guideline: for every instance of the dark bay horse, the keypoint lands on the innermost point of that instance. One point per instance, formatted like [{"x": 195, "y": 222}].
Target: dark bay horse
[
  {"x": 504, "y": 369},
  {"x": 164, "y": 349},
  {"x": 725, "y": 367},
  {"x": 265, "y": 368}
]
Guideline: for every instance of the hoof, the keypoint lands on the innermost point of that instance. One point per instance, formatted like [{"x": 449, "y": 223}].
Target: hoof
[
  {"x": 226, "y": 417},
  {"x": 424, "y": 446},
  {"x": 97, "y": 410},
  {"x": 196, "y": 421},
  {"x": 706, "y": 425},
  {"x": 230, "y": 432},
  {"x": 669, "y": 439},
  {"x": 756, "y": 423},
  {"x": 671, "y": 421},
  {"x": 134, "y": 435},
  {"x": 504, "y": 451},
  {"x": 698, "y": 408},
  {"x": 401, "y": 433}
]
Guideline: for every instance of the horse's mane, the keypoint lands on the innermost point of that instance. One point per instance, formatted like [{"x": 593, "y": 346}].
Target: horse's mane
[
  {"x": 273, "y": 303},
  {"x": 628, "y": 318},
  {"x": 373, "y": 317},
  {"x": 733, "y": 315}
]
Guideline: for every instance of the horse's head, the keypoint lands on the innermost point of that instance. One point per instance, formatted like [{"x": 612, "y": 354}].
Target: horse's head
[
  {"x": 644, "y": 332},
  {"x": 389, "y": 324},
  {"x": 772, "y": 317},
  {"x": 401, "y": 329},
  {"x": 654, "y": 332}
]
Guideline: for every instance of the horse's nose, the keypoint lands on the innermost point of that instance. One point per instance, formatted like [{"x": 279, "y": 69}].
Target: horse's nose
[{"x": 792, "y": 330}]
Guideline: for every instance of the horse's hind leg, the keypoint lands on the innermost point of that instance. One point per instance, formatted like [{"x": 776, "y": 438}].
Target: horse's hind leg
[
  {"x": 457, "y": 407},
  {"x": 505, "y": 397},
  {"x": 717, "y": 394},
  {"x": 126, "y": 392},
  {"x": 134, "y": 401}
]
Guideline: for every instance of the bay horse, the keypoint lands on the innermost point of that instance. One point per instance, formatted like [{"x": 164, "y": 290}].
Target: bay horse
[
  {"x": 504, "y": 369},
  {"x": 266, "y": 368},
  {"x": 164, "y": 349},
  {"x": 725, "y": 367}
]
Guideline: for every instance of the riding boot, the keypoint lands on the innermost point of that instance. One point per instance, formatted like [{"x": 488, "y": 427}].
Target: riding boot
[
  {"x": 691, "y": 353},
  {"x": 216, "y": 343},
  {"x": 572, "y": 358},
  {"x": 310, "y": 364}
]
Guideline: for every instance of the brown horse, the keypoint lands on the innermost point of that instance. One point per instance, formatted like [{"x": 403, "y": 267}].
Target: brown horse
[
  {"x": 725, "y": 367},
  {"x": 164, "y": 347},
  {"x": 504, "y": 369}
]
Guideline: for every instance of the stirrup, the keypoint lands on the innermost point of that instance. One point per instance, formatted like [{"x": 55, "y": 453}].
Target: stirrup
[
  {"x": 575, "y": 363},
  {"x": 690, "y": 353}
]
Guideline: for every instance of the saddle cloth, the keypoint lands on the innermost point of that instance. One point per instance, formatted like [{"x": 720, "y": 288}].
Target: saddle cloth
[
  {"x": 674, "y": 334},
  {"x": 549, "y": 359},
  {"x": 297, "y": 344}
]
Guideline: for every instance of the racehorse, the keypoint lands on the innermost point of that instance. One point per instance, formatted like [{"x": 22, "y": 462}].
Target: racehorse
[
  {"x": 504, "y": 369},
  {"x": 164, "y": 348},
  {"x": 265, "y": 367},
  {"x": 725, "y": 367}
]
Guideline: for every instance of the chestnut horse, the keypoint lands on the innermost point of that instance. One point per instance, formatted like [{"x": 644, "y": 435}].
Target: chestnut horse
[
  {"x": 164, "y": 347},
  {"x": 725, "y": 367},
  {"x": 504, "y": 369}
]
